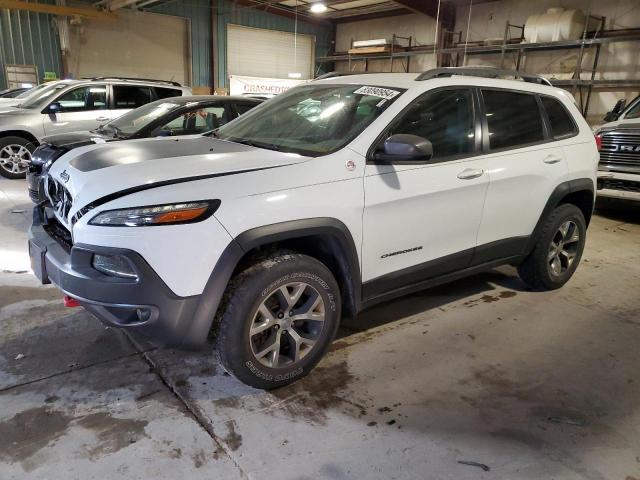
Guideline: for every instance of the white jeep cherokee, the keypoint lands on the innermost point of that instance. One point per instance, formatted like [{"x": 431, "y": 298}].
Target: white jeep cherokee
[{"x": 332, "y": 197}]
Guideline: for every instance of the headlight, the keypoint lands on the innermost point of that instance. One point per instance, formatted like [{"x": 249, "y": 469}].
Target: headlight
[{"x": 172, "y": 214}]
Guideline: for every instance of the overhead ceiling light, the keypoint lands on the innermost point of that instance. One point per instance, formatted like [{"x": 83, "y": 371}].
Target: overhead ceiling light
[
  {"x": 318, "y": 7},
  {"x": 295, "y": 75}
]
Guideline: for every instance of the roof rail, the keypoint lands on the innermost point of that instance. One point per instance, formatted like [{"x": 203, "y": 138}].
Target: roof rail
[
  {"x": 487, "y": 72},
  {"x": 332, "y": 75},
  {"x": 132, "y": 79}
]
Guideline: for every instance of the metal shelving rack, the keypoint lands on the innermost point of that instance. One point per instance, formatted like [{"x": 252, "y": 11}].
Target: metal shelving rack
[
  {"x": 513, "y": 45},
  {"x": 391, "y": 55}
]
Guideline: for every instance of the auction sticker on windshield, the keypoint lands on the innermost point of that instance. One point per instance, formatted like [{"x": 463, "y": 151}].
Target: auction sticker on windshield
[{"x": 385, "y": 93}]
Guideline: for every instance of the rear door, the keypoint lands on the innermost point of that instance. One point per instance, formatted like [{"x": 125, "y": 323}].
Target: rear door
[
  {"x": 81, "y": 108},
  {"x": 525, "y": 165},
  {"x": 421, "y": 220}
]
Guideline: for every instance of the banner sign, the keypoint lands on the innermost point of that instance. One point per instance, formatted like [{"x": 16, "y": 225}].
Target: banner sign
[{"x": 268, "y": 87}]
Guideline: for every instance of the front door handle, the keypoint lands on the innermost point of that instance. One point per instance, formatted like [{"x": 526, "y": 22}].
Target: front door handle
[
  {"x": 469, "y": 173},
  {"x": 102, "y": 119},
  {"x": 551, "y": 159}
]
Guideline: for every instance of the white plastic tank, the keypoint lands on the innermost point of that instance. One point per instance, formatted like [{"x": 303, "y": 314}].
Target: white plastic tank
[{"x": 557, "y": 24}]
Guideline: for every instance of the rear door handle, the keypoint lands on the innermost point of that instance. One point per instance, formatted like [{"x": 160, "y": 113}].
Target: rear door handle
[
  {"x": 469, "y": 173},
  {"x": 551, "y": 159},
  {"x": 102, "y": 119}
]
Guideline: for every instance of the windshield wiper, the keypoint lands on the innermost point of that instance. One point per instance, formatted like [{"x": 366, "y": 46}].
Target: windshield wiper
[{"x": 254, "y": 143}]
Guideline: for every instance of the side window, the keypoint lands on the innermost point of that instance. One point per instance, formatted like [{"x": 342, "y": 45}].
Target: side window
[
  {"x": 82, "y": 99},
  {"x": 562, "y": 125},
  {"x": 167, "y": 92},
  {"x": 514, "y": 119},
  {"x": 444, "y": 118},
  {"x": 130, "y": 96},
  {"x": 198, "y": 121},
  {"x": 243, "y": 108}
]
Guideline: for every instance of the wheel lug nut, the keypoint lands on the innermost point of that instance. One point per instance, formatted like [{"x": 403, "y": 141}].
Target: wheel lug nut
[
  {"x": 281, "y": 315},
  {"x": 291, "y": 313},
  {"x": 277, "y": 327}
]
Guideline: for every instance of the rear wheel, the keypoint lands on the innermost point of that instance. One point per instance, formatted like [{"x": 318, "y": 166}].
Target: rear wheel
[
  {"x": 280, "y": 317},
  {"x": 15, "y": 155},
  {"x": 558, "y": 250}
]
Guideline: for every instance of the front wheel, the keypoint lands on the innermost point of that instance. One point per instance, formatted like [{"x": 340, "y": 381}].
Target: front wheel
[
  {"x": 15, "y": 155},
  {"x": 280, "y": 317},
  {"x": 558, "y": 250}
]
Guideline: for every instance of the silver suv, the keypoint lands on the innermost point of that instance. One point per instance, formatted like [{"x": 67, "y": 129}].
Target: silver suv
[{"x": 69, "y": 106}]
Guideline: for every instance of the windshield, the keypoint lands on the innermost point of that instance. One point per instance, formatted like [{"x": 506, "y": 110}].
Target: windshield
[
  {"x": 633, "y": 111},
  {"x": 312, "y": 119},
  {"x": 133, "y": 121},
  {"x": 40, "y": 93}
]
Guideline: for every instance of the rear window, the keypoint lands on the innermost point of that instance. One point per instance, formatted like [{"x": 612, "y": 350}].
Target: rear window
[
  {"x": 168, "y": 92},
  {"x": 130, "y": 96},
  {"x": 513, "y": 118},
  {"x": 562, "y": 125}
]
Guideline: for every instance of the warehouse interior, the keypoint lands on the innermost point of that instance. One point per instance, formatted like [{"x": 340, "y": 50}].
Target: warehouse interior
[{"x": 480, "y": 377}]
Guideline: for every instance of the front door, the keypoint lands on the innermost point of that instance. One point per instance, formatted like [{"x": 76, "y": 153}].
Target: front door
[
  {"x": 422, "y": 220},
  {"x": 81, "y": 108}
]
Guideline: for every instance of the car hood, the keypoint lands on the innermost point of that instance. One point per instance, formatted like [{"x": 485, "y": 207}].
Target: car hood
[
  {"x": 620, "y": 124},
  {"x": 77, "y": 139},
  {"x": 96, "y": 173}
]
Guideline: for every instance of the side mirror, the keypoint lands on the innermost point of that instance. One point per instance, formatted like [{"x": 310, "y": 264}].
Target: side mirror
[
  {"x": 617, "y": 110},
  {"x": 404, "y": 148},
  {"x": 53, "y": 108}
]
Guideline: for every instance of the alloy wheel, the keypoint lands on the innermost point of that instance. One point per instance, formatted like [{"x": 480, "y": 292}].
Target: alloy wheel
[
  {"x": 287, "y": 325},
  {"x": 563, "y": 248},
  {"x": 15, "y": 158}
]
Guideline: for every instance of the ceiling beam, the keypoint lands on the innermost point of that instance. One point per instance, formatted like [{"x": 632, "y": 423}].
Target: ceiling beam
[
  {"x": 370, "y": 16},
  {"x": 269, "y": 7},
  {"x": 430, "y": 8},
  {"x": 63, "y": 11}
]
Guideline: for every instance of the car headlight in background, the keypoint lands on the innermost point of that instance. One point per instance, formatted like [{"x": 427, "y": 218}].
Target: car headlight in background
[{"x": 171, "y": 214}]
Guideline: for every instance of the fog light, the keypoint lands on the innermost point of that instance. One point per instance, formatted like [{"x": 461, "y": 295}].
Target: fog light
[
  {"x": 143, "y": 314},
  {"x": 114, "y": 265}
]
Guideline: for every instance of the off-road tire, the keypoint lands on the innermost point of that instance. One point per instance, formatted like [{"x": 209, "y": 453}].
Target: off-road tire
[
  {"x": 14, "y": 140},
  {"x": 246, "y": 293},
  {"x": 535, "y": 270}
]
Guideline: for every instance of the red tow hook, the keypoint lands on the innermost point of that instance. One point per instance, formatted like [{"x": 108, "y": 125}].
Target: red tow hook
[{"x": 70, "y": 302}]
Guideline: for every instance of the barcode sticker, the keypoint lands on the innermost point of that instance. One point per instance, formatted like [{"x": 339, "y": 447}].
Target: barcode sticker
[{"x": 385, "y": 93}]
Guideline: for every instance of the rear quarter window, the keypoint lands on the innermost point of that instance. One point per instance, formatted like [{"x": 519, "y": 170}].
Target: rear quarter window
[
  {"x": 167, "y": 92},
  {"x": 560, "y": 120}
]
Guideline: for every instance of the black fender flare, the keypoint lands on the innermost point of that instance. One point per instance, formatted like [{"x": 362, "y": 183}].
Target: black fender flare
[
  {"x": 560, "y": 192},
  {"x": 245, "y": 242}
]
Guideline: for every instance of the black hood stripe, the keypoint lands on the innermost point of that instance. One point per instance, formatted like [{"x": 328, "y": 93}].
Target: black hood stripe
[{"x": 128, "y": 191}]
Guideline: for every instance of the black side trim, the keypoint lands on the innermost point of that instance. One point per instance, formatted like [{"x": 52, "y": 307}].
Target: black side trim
[
  {"x": 507, "y": 247},
  {"x": 128, "y": 191},
  {"x": 439, "y": 280},
  {"x": 346, "y": 257},
  {"x": 560, "y": 192},
  {"x": 401, "y": 279}
]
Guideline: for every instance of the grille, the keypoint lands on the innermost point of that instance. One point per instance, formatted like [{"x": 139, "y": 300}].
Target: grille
[
  {"x": 60, "y": 234},
  {"x": 59, "y": 197},
  {"x": 615, "y": 184},
  {"x": 620, "y": 151}
]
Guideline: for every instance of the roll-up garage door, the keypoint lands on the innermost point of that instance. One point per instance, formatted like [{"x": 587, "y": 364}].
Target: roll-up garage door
[
  {"x": 257, "y": 52},
  {"x": 137, "y": 44}
]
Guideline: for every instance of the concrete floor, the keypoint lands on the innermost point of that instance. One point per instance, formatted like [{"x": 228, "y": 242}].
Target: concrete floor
[{"x": 530, "y": 385}]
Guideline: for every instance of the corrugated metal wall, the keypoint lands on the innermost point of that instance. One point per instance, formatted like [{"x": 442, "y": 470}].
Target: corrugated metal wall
[
  {"x": 199, "y": 12},
  {"x": 29, "y": 38},
  {"x": 252, "y": 17}
]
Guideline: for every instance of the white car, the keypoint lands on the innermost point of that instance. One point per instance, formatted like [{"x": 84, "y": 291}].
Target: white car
[
  {"x": 619, "y": 145},
  {"x": 332, "y": 197}
]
